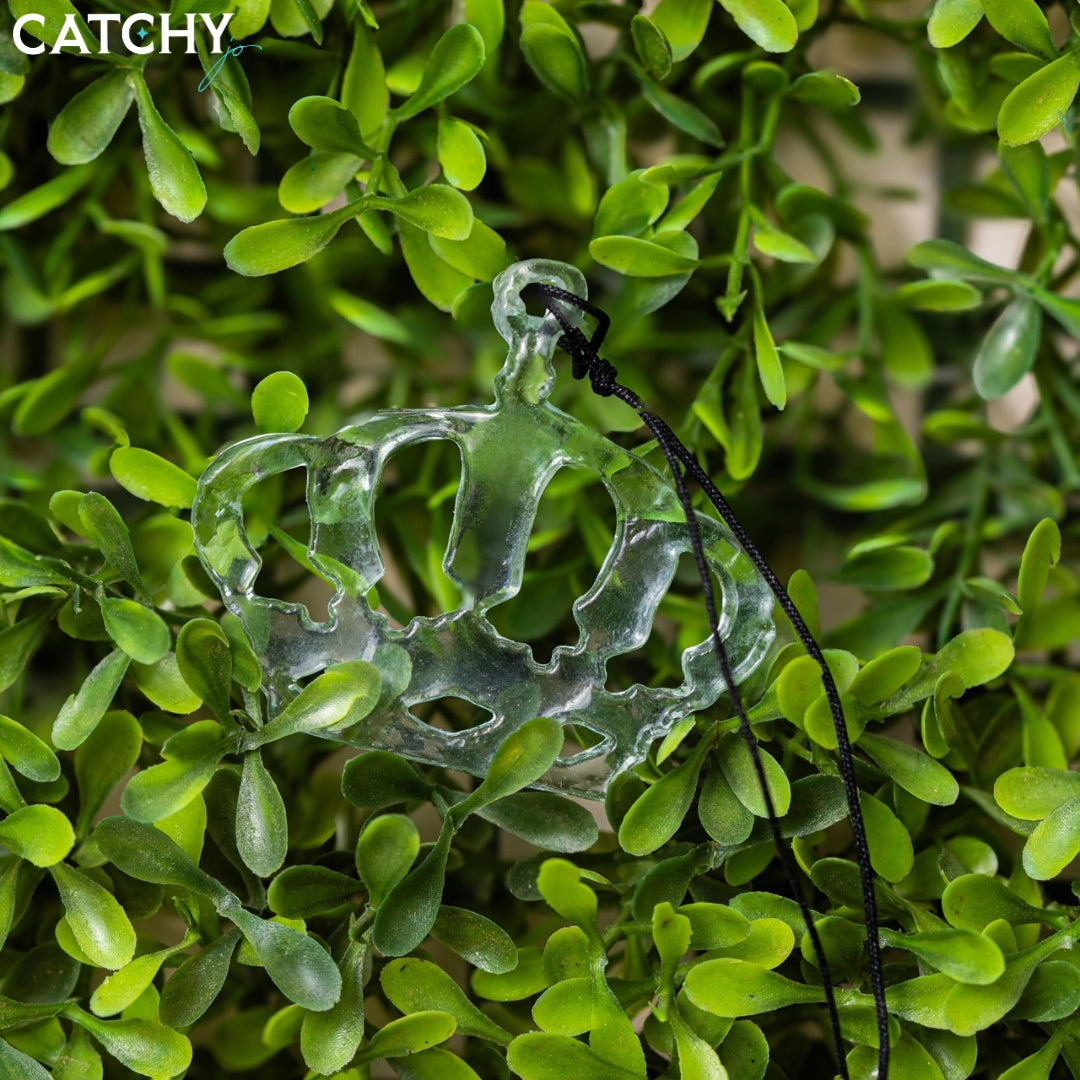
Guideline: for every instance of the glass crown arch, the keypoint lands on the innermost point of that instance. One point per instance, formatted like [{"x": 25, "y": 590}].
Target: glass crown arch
[{"x": 509, "y": 452}]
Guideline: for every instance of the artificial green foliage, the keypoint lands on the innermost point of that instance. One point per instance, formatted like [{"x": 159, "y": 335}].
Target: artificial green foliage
[{"x": 197, "y": 879}]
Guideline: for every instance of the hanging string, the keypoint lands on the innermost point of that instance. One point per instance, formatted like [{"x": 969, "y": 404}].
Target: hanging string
[{"x": 586, "y": 363}]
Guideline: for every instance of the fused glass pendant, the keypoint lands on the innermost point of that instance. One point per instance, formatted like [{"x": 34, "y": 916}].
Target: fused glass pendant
[{"x": 509, "y": 451}]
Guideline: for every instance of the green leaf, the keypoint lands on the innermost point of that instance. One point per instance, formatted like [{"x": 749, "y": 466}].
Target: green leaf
[
  {"x": 174, "y": 176},
  {"x": 379, "y": 779},
  {"x": 299, "y": 892},
  {"x": 769, "y": 368},
  {"x": 102, "y": 524},
  {"x": 409, "y": 1035},
  {"x": 1008, "y": 350},
  {"x": 187, "y": 826},
  {"x": 279, "y": 402},
  {"x": 526, "y": 979},
  {"x": 969, "y": 1009},
  {"x": 455, "y": 60},
  {"x": 913, "y": 770},
  {"x": 346, "y": 691},
  {"x": 639, "y": 258},
  {"x": 1052, "y": 994},
  {"x": 85, "y": 126},
  {"x": 977, "y": 656},
  {"x": 897, "y": 567},
  {"x": 363, "y": 88},
  {"x": 233, "y": 92},
  {"x": 126, "y": 984},
  {"x": 409, "y": 911},
  {"x": 79, "y": 1061},
  {"x": 723, "y": 817},
  {"x": 1054, "y": 843},
  {"x": 299, "y": 967},
  {"x": 1037, "y": 105},
  {"x": 205, "y": 662},
  {"x": 1023, "y": 23},
  {"x": 385, "y": 852},
  {"x": 656, "y": 815},
  {"x": 262, "y": 828},
  {"x": 482, "y": 254},
  {"x": 98, "y": 922},
  {"x": 1028, "y": 170},
  {"x": 483, "y": 943},
  {"x": 540, "y": 1055},
  {"x": 39, "y": 834},
  {"x": 544, "y": 819},
  {"x": 973, "y": 901},
  {"x": 138, "y": 630},
  {"x": 780, "y": 245},
  {"x": 558, "y": 60},
  {"x": 651, "y": 46},
  {"x": 329, "y": 1039},
  {"x": 769, "y": 24},
  {"x": 957, "y": 261},
  {"x": 1041, "y": 554},
  {"x": 277, "y": 245},
  {"x": 145, "y": 1047},
  {"x": 559, "y": 883},
  {"x": 681, "y": 113},
  {"x": 147, "y": 476},
  {"x": 41, "y": 200},
  {"x": 765, "y": 78},
  {"x": 20, "y": 1066},
  {"x": 886, "y": 674},
  {"x": 196, "y": 983},
  {"x": 325, "y": 125},
  {"x": 191, "y": 759},
  {"x": 746, "y": 1051},
  {"x": 460, "y": 153},
  {"x": 370, "y": 318},
  {"x": 826, "y": 90},
  {"x": 952, "y": 20},
  {"x": 434, "y": 1064},
  {"x": 489, "y": 17},
  {"x": 715, "y": 926},
  {"x": 103, "y": 758},
  {"x": 416, "y": 986},
  {"x": 964, "y": 955},
  {"x": 436, "y": 279},
  {"x": 27, "y": 753},
  {"x": 435, "y": 208},
  {"x": 294, "y": 18},
  {"x": 730, "y": 987},
  {"x": 939, "y": 295},
  {"x": 738, "y": 768},
  {"x": 80, "y": 714},
  {"x": 683, "y": 23},
  {"x": 1039, "y": 1065},
  {"x": 891, "y": 851},
  {"x": 522, "y": 758},
  {"x": 906, "y": 353},
  {"x": 20, "y": 568},
  {"x": 629, "y": 207},
  {"x": 51, "y": 398}
]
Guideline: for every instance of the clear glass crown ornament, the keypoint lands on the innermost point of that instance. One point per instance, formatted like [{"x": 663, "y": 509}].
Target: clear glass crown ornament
[{"x": 510, "y": 450}]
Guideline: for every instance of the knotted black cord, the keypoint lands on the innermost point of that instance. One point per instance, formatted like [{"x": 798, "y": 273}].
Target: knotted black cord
[{"x": 585, "y": 360}]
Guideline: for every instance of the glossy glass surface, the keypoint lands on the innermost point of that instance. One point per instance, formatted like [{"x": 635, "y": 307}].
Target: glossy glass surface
[{"x": 509, "y": 451}]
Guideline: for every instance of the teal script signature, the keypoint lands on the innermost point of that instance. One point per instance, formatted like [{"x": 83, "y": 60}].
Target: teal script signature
[{"x": 212, "y": 74}]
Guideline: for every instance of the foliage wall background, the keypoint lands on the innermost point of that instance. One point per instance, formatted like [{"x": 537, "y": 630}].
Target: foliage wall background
[{"x": 157, "y": 298}]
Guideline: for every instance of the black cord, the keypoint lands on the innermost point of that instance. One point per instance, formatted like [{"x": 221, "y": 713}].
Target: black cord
[{"x": 602, "y": 376}]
